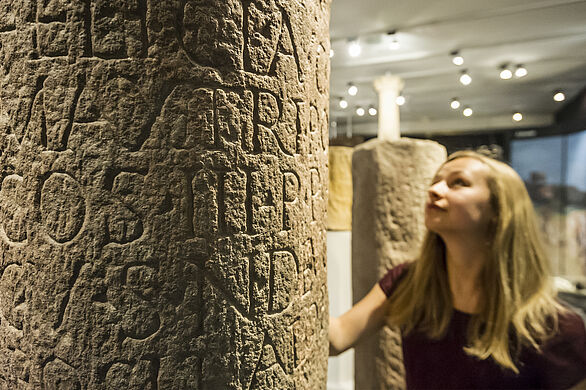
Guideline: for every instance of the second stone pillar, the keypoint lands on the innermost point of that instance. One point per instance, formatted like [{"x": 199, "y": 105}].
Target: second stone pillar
[{"x": 390, "y": 180}]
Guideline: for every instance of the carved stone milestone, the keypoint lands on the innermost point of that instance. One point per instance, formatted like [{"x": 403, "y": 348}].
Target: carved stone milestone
[
  {"x": 162, "y": 194},
  {"x": 390, "y": 181}
]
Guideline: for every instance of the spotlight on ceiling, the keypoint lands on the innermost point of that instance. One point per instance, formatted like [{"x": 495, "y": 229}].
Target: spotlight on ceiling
[
  {"x": 506, "y": 73},
  {"x": 360, "y": 111},
  {"x": 331, "y": 53},
  {"x": 352, "y": 89},
  {"x": 517, "y": 117},
  {"x": 394, "y": 44},
  {"x": 559, "y": 96},
  {"x": 372, "y": 111},
  {"x": 521, "y": 71},
  {"x": 467, "y": 111},
  {"x": 343, "y": 103},
  {"x": 400, "y": 100},
  {"x": 455, "y": 104},
  {"x": 465, "y": 78},
  {"x": 457, "y": 58},
  {"x": 354, "y": 48}
]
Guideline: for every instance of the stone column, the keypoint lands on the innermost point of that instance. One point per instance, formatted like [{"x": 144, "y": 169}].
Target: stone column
[
  {"x": 163, "y": 191},
  {"x": 388, "y": 87},
  {"x": 390, "y": 179}
]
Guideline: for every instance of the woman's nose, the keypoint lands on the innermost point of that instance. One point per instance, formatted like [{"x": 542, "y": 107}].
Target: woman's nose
[{"x": 436, "y": 190}]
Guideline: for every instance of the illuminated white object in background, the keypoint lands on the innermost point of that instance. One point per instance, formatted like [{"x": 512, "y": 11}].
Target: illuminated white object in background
[
  {"x": 394, "y": 45},
  {"x": 521, "y": 71},
  {"x": 354, "y": 49},
  {"x": 457, "y": 59},
  {"x": 465, "y": 78},
  {"x": 506, "y": 74},
  {"x": 352, "y": 89}
]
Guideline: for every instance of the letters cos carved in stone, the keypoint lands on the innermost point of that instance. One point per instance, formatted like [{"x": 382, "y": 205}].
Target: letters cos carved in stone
[{"x": 63, "y": 211}]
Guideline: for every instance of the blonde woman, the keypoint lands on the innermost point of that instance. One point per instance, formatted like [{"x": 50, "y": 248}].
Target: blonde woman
[{"x": 477, "y": 309}]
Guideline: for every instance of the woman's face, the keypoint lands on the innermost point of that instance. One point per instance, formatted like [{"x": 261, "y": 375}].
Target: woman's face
[{"x": 459, "y": 199}]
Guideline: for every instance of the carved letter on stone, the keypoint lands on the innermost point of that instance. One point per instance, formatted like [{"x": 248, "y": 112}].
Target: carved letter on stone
[
  {"x": 283, "y": 280},
  {"x": 62, "y": 207},
  {"x": 12, "y": 210}
]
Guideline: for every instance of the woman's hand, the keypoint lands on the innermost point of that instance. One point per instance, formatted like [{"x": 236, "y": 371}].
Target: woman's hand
[{"x": 365, "y": 317}]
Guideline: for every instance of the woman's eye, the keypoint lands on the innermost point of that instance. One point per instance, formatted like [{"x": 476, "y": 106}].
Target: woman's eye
[{"x": 459, "y": 182}]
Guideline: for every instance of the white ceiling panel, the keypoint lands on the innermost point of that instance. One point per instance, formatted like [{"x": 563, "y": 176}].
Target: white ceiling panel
[{"x": 547, "y": 37}]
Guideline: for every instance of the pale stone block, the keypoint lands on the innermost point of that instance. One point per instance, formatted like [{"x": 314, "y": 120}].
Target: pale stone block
[
  {"x": 390, "y": 180},
  {"x": 340, "y": 191}
]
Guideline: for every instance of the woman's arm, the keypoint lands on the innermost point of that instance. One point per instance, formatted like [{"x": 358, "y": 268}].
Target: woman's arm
[{"x": 365, "y": 317}]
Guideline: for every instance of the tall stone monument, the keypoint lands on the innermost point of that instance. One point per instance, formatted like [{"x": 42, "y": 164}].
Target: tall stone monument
[
  {"x": 390, "y": 180},
  {"x": 163, "y": 191}
]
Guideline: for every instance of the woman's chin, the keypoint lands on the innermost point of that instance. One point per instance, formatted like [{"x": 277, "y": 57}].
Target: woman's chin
[{"x": 432, "y": 224}]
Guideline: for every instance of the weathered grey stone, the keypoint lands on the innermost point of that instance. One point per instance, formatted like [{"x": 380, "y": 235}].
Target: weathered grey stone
[
  {"x": 163, "y": 182},
  {"x": 340, "y": 190},
  {"x": 390, "y": 179}
]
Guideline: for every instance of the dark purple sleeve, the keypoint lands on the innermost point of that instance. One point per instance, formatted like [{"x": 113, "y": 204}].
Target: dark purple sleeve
[{"x": 389, "y": 282}]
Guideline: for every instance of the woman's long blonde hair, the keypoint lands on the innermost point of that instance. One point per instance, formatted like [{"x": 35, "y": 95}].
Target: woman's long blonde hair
[{"x": 518, "y": 307}]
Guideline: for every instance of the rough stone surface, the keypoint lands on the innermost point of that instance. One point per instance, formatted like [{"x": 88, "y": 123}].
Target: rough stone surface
[
  {"x": 340, "y": 189},
  {"x": 390, "y": 180},
  {"x": 163, "y": 192}
]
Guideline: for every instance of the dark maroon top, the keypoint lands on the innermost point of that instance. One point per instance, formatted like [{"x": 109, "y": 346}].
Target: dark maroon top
[{"x": 443, "y": 364}]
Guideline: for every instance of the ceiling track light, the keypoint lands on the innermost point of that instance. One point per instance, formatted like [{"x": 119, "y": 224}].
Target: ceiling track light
[
  {"x": 354, "y": 48},
  {"x": 331, "y": 53},
  {"x": 559, "y": 96},
  {"x": 343, "y": 103},
  {"x": 360, "y": 111},
  {"x": 521, "y": 71},
  {"x": 517, "y": 117},
  {"x": 505, "y": 73},
  {"x": 455, "y": 104},
  {"x": 400, "y": 100},
  {"x": 372, "y": 111},
  {"x": 467, "y": 111},
  {"x": 457, "y": 58},
  {"x": 394, "y": 44},
  {"x": 465, "y": 78},
  {"x": 352, "y": 89}
]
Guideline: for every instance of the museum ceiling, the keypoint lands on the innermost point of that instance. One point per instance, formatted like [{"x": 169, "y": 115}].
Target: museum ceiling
[{"x": 547, "y": 38}]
